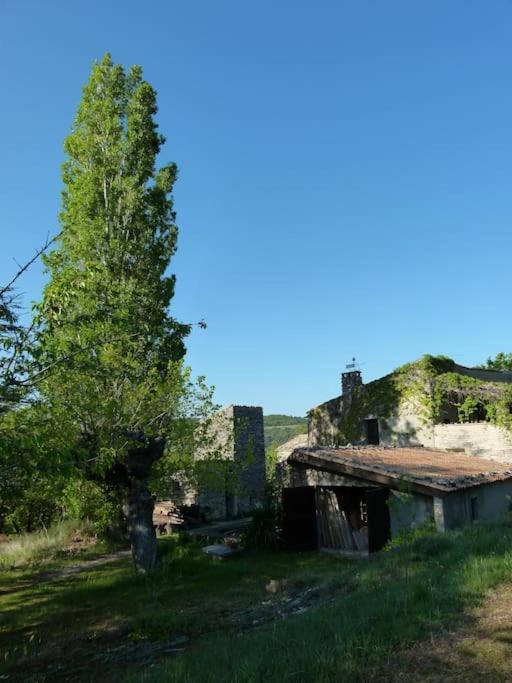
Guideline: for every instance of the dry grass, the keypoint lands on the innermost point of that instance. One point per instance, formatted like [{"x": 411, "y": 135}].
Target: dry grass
[{"x": 63, "y": 538}]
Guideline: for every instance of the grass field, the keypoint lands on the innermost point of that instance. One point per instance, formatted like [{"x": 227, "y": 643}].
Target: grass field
[{"x": 202, "y": 619}]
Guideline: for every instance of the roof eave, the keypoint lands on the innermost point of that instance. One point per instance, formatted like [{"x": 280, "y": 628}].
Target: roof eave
[{"x": 395, "y": 482}]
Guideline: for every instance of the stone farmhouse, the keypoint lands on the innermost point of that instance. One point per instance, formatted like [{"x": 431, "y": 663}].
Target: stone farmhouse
[{"x": 429, "y": 442}]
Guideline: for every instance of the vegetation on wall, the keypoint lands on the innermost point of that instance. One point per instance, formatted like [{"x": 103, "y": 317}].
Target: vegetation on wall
[{"x": 433, "y": 389}]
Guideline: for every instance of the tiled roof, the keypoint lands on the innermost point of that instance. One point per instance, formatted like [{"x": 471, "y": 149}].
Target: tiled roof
[{"x": 423, "y": 468}]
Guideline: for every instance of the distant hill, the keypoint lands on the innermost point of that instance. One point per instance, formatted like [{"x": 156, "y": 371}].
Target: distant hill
[{"x": 279, "y": 428}]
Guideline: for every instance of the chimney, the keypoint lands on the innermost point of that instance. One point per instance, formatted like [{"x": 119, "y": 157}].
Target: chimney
[{"x": 350, "y": 381}]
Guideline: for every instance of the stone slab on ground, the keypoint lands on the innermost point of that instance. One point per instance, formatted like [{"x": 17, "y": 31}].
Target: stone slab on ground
[{"x": 219, "y": 550}]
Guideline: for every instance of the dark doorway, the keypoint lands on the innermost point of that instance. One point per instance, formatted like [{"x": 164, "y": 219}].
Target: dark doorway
[
  {"x": 474, "y": 509},
  {"x": 299, "y": 518},
  {"x": 231, "y": 505},
  {"x": 372, "y": 432},
  {"x": 379, "y": 524}
]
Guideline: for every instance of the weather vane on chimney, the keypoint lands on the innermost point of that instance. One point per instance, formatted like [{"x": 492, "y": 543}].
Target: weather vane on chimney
[{"x": 351, "y": 366}]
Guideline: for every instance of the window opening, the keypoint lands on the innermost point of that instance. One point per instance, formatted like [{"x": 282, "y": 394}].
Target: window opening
[
  {"x": 372, "y": 432},
  {"x": 474, "y": 509}
]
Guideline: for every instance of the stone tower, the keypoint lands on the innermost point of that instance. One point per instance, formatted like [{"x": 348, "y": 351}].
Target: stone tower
[{"x": 240, "y": 433}]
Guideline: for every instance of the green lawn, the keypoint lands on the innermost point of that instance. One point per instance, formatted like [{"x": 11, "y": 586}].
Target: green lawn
[
  {"x": 93, "y": 613},
  {"x": 202, "y": 619}
]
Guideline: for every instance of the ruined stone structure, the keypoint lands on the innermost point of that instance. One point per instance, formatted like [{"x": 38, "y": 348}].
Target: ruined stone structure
[
  {"x": 232, "y": 477},
  {"x": 433, "y": 403}
]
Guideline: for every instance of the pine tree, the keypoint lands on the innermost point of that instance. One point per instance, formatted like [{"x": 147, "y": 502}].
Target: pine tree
[{"x": 114, "y": 351}]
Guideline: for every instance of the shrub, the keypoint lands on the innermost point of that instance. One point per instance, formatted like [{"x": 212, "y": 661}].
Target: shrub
[
  {"x": 409, "y": 536},
  {"x": 264, "y": 531},
  {"x": 85, "y": 500}
]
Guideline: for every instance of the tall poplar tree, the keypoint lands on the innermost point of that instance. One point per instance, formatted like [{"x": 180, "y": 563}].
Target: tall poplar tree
[{"x": 111, "y": 351}]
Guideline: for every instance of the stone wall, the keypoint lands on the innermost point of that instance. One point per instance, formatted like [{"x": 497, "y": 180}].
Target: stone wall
[
  {"x": 236, "y": 478},
  {"x": 249, "y": 457},
  {"x": 479, "y": 438},
  {"x": 324, "y": 423},
  {"x": 474, "y": 438}
]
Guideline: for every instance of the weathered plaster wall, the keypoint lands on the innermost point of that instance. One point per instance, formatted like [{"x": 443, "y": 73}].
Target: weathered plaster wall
[
  {"x": 405, "y": 428},
  {"x": 408, "y": 511},
  {"x": 477, "y": 438},
  {"x": 454, "y": 510}
]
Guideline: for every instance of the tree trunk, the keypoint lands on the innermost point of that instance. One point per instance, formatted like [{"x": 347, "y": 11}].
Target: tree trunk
[
  {"x": 139, "y": 515},
  {"x": 139, "y": 503}
]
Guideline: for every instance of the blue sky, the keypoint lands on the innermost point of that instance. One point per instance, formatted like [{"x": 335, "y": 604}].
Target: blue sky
[{"x": 345, "y": 174}]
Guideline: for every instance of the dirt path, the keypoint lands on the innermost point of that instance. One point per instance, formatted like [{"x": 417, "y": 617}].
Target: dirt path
[
  {"x": 480, "y": 650},
  {"x": 65, "y": 572}
]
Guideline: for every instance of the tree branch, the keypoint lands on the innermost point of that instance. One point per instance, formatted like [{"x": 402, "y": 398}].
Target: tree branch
[{"x": 21, "y": 269}]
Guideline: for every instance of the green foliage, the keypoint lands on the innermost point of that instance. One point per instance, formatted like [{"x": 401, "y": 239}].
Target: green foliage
[
  {"x": 11, "y": 364},
  {"x": 281, "y": 428},
  {"x": 270, "y": 461},
  {"x": 35, "y": 462},
  {"x": 502, "y": 361},
  {"x": 410, "y": 536},
  {"x": 86, "y": 500},
  {"x": 105, "y": 308},
  {"x": 109, "y": 353},
  {"x": 282, "y": 420}
]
